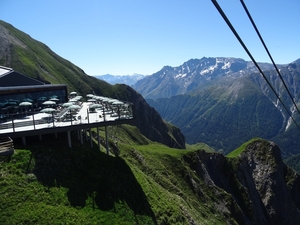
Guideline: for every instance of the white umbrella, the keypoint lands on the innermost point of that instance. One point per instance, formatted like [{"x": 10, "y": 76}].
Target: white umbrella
[
  {"x": 89, "y": 95},
  {"x": 118, "y": 102},
  {"x": 73, "y": 93},
  {"x": 95, "y": 106},
  {"x": 49, "y": 103},
  {"x": 74, "y": 107},
  {"x": 73, "y": 100},
  {"x": 79, "y": 97},
  {"x": 25, "y": 104},
  {"x": 47, "y": 110},
  {"x": 67, "y": 104},
  {"x": 54, "y": 99}
]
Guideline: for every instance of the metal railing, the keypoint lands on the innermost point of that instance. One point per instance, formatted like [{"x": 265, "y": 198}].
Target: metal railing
[{"x": 14, "y": 123}]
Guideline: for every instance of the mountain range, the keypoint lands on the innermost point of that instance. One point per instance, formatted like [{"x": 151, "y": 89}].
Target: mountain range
[
  {"x": 225, "y": 101},
  {"x": 193, "y": 75},
  {"x": 121, "y": 79}
]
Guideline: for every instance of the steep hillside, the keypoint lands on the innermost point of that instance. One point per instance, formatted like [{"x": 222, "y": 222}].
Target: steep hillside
[
  {"x": 147, "y": 184},
  {"x": 223, "y": 117},
  {"x": 33, "y": 58}
]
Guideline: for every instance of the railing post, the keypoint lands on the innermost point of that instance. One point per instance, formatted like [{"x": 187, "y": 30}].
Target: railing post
[
  {"x": 12, "y": 120},
  {"x": 88, "y": 116},
  {"x": 53, "y": 119},
  {"x": 33, "y": 121}
]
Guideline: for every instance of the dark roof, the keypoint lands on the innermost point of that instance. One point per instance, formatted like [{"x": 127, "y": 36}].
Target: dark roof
[
  {"x": 9, "y": 78},
  {"x": 31, "y": 88}
]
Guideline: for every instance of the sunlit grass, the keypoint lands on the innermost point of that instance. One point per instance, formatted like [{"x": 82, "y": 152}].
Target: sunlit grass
[{"x": 240, "y": 149}]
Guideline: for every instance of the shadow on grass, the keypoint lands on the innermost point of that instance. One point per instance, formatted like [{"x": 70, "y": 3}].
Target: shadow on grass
[{"x": 89, "y": 173}]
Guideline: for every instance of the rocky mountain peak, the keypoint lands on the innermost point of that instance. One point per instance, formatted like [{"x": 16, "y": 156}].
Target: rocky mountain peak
[{"x": 191, "y": 75}]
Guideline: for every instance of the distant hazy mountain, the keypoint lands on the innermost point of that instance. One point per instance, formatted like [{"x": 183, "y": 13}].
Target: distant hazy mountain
[
  {"x": 121, "y": 79},
  {"x": 193, "y": 75}
]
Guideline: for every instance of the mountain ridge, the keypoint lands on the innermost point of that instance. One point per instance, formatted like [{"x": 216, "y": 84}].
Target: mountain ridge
[{"x": 193, "y": 75}]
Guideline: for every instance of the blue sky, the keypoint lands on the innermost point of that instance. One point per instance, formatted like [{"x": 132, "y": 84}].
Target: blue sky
[{"x": 141, "y": 36}]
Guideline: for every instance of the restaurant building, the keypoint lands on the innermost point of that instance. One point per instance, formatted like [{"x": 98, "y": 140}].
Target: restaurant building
[{"x": 16, "y": 88}]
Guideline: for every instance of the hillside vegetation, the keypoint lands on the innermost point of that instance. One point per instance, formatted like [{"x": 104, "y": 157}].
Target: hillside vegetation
[{"x": 148, "y": 183}]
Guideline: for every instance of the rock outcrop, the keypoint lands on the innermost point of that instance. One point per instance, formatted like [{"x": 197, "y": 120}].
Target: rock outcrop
[{"x": 255, "y": 187}]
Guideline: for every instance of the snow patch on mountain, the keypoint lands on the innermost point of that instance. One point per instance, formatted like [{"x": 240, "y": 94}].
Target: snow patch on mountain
[{"x": 180, "y": 76}]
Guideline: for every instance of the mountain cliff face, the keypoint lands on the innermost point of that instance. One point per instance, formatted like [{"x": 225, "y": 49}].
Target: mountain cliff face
[
  {"x": 33, "y": 58},
  {"x": 193, "y": 75},
  {"x": 225, "y": 116},
  {"x": 258, "y": 187},
  {"x": 148, "y": 120}
]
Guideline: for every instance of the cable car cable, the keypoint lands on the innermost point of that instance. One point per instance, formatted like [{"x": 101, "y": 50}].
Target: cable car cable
[
  {"x": 250, "y": 55},
  {"x": 267, "y": 50}
]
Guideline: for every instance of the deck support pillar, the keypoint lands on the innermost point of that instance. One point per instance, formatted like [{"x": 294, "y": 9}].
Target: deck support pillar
[
  {"x": 106, "y": 137},
  {"x": 78, "y": 135},
  {"x": 98, "y": 139},
  {"x": 24, "y": 140},
  {"x": 69, "y": 139},
  {"x": 91, "y": 138},
  {"x": 81, "y": 138}
]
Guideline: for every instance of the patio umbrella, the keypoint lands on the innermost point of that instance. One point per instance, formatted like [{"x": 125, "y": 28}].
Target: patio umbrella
[
  {"x": 25, "y": 104},
  {"x": 73, "y": 93},
  {"x": 73, "y": 100},
  {"x": 49, "y": 103},
  {"x": 95, "y": 106},
  {"x": 117, "y": 103},
  {"x": 54, "y": 99},
  {"x": 89, "y": 95},
  {"x": 67, "y": 104},
  {"x": 74, "y": 107},
  {"x": 47, "y": 110}
]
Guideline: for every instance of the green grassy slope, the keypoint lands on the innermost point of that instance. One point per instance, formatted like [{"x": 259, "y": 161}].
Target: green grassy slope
[
  {"x": 45, "y": 182},
  {"x": 146, "y": 184}
]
